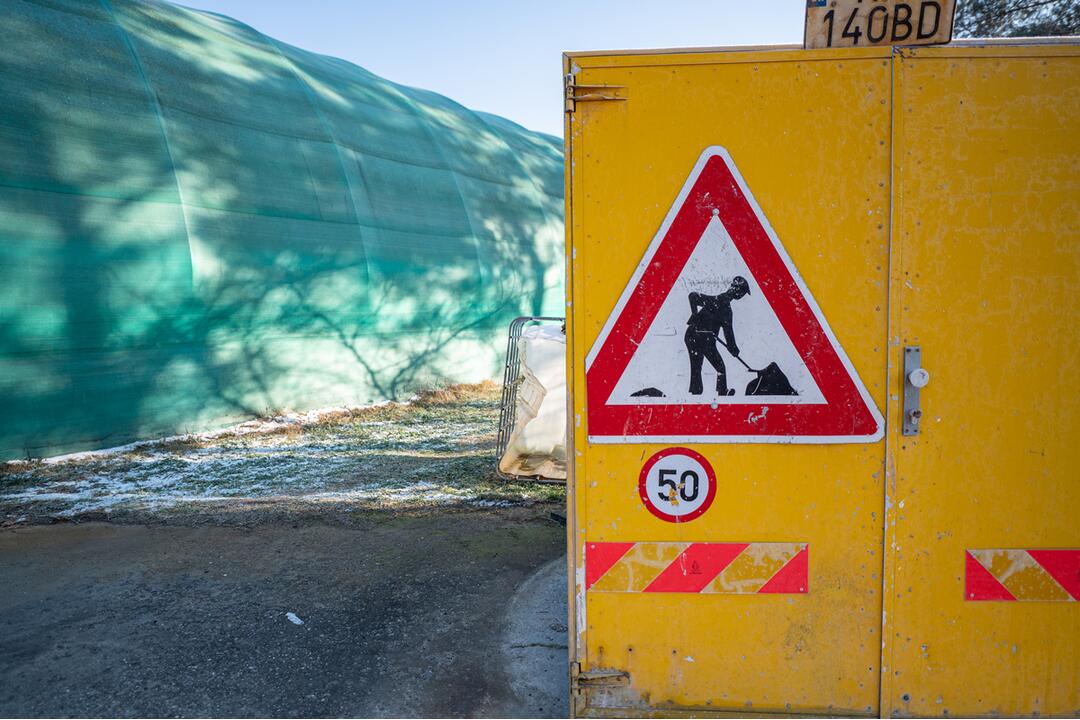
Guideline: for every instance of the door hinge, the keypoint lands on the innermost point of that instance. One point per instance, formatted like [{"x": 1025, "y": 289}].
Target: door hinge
[
  {"x": 581, "y": 679},
  {"x": 589, "y": 93}
]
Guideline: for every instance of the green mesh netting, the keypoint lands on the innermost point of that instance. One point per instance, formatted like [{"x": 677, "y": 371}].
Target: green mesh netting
[{"x": 199, "y": 224}]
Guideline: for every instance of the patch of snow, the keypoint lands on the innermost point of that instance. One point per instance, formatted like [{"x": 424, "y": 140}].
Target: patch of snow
[
  {"x": 258, "y": 426},
  {"x": 490, "y": 503},
  {"x": 164, "y": 481}
]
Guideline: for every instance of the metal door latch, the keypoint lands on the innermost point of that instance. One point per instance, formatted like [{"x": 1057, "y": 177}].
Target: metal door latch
[{"x": 915, "y": 378}]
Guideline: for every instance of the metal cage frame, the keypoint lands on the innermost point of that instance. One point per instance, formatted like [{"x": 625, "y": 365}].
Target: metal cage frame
[{"x": 511, "y": 380}]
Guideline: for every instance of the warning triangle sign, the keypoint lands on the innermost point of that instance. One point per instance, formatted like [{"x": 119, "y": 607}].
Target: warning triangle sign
[{"x": 717, "y": 339}]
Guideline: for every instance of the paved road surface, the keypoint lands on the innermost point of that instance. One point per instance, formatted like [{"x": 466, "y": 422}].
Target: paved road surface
[{"x": 402, "y": 615}]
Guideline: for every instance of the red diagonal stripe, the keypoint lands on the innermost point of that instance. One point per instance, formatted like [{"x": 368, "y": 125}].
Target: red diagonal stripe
[
  {"x": 1063, "y": 566},
  {"x": 793, "y": 578},
  {"x": 696, "y": 567},
  {"x": 600, "y": 556},
  {"x": 979, "y": 584}
]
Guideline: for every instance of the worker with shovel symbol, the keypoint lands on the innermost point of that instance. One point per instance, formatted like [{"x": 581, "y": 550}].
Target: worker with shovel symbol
[{"x": 708, "y": 315}]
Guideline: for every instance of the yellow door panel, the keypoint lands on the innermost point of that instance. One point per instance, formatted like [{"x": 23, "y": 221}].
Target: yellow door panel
[
  {"x": 985, "y": 500},
  {"x": 810, "y": 134}
]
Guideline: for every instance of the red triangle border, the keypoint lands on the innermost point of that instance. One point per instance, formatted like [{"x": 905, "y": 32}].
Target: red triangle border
[{"x": 849, "y": 413}]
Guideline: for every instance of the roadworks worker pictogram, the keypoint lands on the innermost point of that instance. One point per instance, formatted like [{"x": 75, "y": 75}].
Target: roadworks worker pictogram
[{"x": 716, "y": 337}]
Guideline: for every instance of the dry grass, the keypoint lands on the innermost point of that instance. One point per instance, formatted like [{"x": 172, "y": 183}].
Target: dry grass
[{"x": 484, "y": 391}]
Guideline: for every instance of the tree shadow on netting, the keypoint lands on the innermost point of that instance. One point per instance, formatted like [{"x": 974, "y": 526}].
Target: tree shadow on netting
[{"x": 199, "y": 224}]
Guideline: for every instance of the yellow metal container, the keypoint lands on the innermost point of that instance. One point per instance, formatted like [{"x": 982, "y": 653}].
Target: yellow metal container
[{"x": 925, "y": 198}]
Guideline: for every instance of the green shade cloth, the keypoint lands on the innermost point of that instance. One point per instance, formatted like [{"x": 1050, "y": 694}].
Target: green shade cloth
[{"x": 199, "y": 224}]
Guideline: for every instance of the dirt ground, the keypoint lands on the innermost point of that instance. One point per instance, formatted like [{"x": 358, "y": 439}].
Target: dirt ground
[{"x": 366, "y": 563}]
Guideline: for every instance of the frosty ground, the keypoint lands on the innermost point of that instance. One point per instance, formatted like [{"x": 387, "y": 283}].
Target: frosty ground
[
  {"x": 435, "y": 451},
  {"x": 353, "y": 562}
]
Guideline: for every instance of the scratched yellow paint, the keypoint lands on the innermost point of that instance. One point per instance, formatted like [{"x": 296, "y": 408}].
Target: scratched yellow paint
[
  {"x": 986, "y": 280},
  {"x": 929, "y": 197},
  {"x": 809, "y": 131}
]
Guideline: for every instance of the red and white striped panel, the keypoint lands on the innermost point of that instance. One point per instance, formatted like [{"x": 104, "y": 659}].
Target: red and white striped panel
[
  {"x": 672, "y": 567},
  {"x": 1032, "y": 575}
]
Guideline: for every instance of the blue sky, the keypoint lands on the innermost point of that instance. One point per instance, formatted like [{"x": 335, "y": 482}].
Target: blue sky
[{"x": 504, "y": 57}]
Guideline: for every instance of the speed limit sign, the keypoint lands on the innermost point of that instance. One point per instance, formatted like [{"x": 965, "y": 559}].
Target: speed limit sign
[{"x": 677, "y": 484}]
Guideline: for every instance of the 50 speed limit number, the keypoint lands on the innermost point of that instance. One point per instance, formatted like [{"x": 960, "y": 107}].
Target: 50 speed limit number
[{"x": 677, "y": 484}]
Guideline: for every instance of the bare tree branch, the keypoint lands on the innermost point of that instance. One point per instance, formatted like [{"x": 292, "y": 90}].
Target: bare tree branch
[{"x": 1017, "y": 18}]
